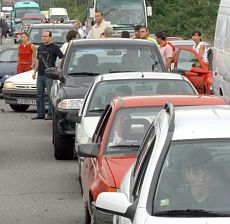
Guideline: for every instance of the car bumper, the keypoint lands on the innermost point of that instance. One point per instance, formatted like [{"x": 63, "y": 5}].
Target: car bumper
[
  {"x": 66, "y": 121},
  {"x": 21, "y": 96}
]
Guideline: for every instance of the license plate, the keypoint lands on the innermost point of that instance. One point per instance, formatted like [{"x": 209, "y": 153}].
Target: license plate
[{"x": 26, "y": 101}]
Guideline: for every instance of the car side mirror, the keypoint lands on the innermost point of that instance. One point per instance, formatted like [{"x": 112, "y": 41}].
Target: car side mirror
[
  {"x": 149, "y": 11},
  {"x": 178, "y": 71},
  {"x": 52, "y": 73},
  {"x": 199, "y": 70},
  {"x": 89, "y": 150}
]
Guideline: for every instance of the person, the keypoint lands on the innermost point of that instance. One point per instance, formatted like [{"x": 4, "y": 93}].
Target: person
[
  {"x": 71, "y": 35},
  {"x": 108, "y": 32},
  {"x": 62, "y": 20},
  {"x": 26, "y": 54},
  {"x": 47, "y": 54},
  {"x": 144, "y": 34},
  {"x": 89, "y": 29},
  {"x": 199, "y": 46},
  {"x": 125, "y": 34},
  {"x": 165, "y": 49},
  {"x": 80, "y": 30},
  {"x": 100, "y": 25},
  {"x": 137, "y": 32}
]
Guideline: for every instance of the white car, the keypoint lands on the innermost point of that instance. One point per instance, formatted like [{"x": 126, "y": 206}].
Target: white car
[{"x": 181, "y": 174}]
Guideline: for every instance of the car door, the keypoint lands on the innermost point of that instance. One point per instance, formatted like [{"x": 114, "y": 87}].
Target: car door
[{"x": 189, "y": 64}]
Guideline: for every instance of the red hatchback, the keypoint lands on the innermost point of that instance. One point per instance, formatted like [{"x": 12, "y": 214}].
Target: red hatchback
[{"x": 117, "y": 139}]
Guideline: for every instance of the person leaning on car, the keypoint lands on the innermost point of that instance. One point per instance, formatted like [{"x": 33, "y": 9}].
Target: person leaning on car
[{"x": 47, "y": 54}]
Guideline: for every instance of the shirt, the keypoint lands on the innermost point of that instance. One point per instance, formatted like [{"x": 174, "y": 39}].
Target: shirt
[
  {"x": 166, "y": 52},
  {"x": 97, "y": 30},
  {"x": 47, "y": 55}
]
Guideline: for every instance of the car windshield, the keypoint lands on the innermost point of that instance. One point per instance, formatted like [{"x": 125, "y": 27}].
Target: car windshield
[
  {"x": 128, "y": 129},
  {"x": 58, "y": 34},
  {"x": 194, "y": 179},
  {"x": 27, "y": 22},
  {"x": 122, "y": 12},
  {"x": 103, "y": 59},
  {"x": 105, "y": 91},
  {"x": 9, "y": 55}
]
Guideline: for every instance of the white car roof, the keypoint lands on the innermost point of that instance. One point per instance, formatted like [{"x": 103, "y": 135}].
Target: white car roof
[{"x": 200, "y": 122}]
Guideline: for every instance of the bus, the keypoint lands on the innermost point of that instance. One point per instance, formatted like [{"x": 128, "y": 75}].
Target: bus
[
  {"x": 122, "y": 14},
  {"x": 21, "y": 8}
]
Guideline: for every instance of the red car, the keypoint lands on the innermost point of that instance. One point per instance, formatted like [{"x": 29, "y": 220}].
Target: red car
[
  {"x": 117, "y": 138},
  {"x": 190, "y": 64}
]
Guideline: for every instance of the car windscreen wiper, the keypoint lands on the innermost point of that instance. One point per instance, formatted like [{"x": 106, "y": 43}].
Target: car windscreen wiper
[
  {"x": 124, "y": 25},
  {"x": 125, "y": 146},
  {"x": 120, "y": 71},
  {"x": 192, "y": 213},
  {"x": 83, "y": 74},
  {"x": 97, "y": 110}
]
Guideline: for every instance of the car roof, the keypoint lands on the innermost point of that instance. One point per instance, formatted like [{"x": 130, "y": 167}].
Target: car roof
[
  {"x": 137, "y": 75},
  {"x": 202, "y": 122},
  {"x": 52, "y": 25},
  {"x": 113, "y": 41},
  {"x": 189, "y": 43},
  {"x": 160, "y": 100}
]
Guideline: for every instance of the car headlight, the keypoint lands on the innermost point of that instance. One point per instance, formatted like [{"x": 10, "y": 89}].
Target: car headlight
[
  {"x": 9, "y": 85},
  {"x": 70, "y": 104}
]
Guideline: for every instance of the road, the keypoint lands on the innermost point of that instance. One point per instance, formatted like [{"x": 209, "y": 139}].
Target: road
[{"x": 35, "y": 187}]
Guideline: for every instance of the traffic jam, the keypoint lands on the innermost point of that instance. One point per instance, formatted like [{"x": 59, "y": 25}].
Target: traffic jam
[{"x": 146, "y": 119}]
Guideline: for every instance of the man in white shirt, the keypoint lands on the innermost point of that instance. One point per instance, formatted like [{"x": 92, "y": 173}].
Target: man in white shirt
[{"x": 100, "y": 25}]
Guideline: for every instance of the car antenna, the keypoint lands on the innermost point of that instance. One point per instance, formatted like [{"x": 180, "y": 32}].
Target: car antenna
[{"x": 142, "y": 76}]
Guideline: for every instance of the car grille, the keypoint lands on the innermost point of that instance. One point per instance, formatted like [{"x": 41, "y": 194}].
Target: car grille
[{"x": 25, "y": 86}]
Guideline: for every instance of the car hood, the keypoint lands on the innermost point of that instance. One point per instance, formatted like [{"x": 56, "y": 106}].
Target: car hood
[
  {"x": 89, "y": 125},
  {"x": 23, "y": 78},
  {"x": 118, "y": 166}
]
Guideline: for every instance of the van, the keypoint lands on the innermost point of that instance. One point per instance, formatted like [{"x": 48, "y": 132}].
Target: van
[
  {"x": 57, "y": 14},
  {"x": 221, "y": 52}
]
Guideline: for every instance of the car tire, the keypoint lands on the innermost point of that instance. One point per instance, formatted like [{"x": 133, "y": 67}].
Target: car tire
[
  {"x": 19, "y": 108},
  {"x": 63, "y": 145},
  {"x": 86, "y": 215}
]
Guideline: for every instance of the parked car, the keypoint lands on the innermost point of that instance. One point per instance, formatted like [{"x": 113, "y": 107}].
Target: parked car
[
  {"x": 84, "y": 60},
  {"x": 59, "y": 32},
  {"x": 8, "y": 64},
  {"x": 178, "y": 156},
  {"x": 17, "y": 33},
  {"x": 19, "y": 91},
  {"x": 190, "y": 64},
  {"x": 108, "y": 86},
  {"x": 117, "y": 140}
]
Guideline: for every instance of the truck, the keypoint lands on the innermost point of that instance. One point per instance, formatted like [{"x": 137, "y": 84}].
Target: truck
[
  {"x": 122, "y": 14},
  {"x": 57, "y": 14}
]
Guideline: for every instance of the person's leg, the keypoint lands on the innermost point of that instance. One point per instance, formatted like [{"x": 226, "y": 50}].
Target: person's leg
[
  {"x": 40, "y": 96},
  {"x": 49, "y": 83}
]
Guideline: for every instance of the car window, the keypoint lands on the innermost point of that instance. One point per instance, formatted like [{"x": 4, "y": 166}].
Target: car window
[
  {"x": 187, "y": 60},
  {"x": 9, "y": 55},
  {"x": 113, "y": 59},
  {"x": 194, "y": 177}
]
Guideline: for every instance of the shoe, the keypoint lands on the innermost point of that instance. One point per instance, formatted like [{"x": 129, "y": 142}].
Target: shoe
[
  {"x": 36, "y": 118},
  {"x": 48, "y": 117}
]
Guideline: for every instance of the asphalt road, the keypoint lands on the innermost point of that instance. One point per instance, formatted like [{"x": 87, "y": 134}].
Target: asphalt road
[{"x": 35, "y": 188}]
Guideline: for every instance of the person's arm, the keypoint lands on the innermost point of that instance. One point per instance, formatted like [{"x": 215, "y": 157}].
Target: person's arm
[
  {"x": 36, "y": 65},
  {"x": 201, "y": 51},
  {"x": 34, "y": 52}
]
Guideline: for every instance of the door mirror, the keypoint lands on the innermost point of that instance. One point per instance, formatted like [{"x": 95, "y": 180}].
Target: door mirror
[
  {"x": 78, "y": 119},
  {"x": 89, "y": 150},
  {"x": 199, "y": 70},
  {"x": 52, "y": 73},
  {"x": 149, "y": 11},
  {"x": 91, "y": 13},
  {"x": 115, "y": 203},
  {"x": 178, "y": 71}
]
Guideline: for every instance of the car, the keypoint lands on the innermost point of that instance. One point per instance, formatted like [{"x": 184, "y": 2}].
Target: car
[
  {"x": 189, "y": 63},
  {"x": 84, "y": 60},
  {"x": 59, "y": 32},
  {"x": 108, "y": 86},
  {"x": 178, "y": 156},
  {"x": 17, "y": 32},
  {"x": 19, "y": 91},
  {"x": 117, "y": 140},
  {"x": 8, "y": 64}
]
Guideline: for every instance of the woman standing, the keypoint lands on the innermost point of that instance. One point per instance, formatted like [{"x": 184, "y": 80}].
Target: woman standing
[{"x": 26, "y": 54}]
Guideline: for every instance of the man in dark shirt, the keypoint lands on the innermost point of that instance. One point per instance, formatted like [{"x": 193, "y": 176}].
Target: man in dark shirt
[{"x": 46, "y": 57}]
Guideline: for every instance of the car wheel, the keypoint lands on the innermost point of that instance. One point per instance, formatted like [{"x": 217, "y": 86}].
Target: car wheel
[
  {"x": 19, "y": 108},
  {"x": 86, "y": 215},
  {"x": 63, "y": 145}
]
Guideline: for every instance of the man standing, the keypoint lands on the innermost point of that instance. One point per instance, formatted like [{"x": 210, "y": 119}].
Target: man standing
[
  {"x": 165, "y": 49},
  {"x": 100, "y": 25},
  {"x": 80, "y": 29},
  {"x": 47, "y": 54},
  {"x": 144, "y": 34}
]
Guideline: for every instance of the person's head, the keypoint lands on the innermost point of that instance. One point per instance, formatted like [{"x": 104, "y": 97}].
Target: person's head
[
  {"x": 98, "y": 17},
  {"x": 196, "y": 36},
  {"x": 137, "y": 31},
  {"x": 24, "y": 37},
  {"x": 144, "y": 32},
  {"x": 46, "y": 37},
  {"x": 108, "y": 32},
  {"x": 123, "y": 91},
  {"x": 160, "y": 37},
  {"x": 71, "y": 35},
  {"x": 125, "y": 34},
  {"x": 77, "y": 24},
  {"x": 62, "y": 20}
]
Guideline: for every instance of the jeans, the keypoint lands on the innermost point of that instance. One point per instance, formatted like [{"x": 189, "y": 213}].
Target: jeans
[{"x": 43, "y": 82}]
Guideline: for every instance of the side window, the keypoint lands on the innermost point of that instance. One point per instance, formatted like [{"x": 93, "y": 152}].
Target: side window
[
  {"x": 98, "y": 136},
  {"x": 187, "y": 60}
]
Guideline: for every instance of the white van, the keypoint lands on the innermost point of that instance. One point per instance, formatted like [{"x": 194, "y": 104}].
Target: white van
[
  {"x": 56, "y": 14},
  {"x": 221, "y": 52}
]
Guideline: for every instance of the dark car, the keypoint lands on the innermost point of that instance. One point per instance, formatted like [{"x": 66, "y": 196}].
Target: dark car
[
  {"x": 59, "y": 32},
  {"x": 8, "y": 63},
  {"x": 84, "y": 60}
]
